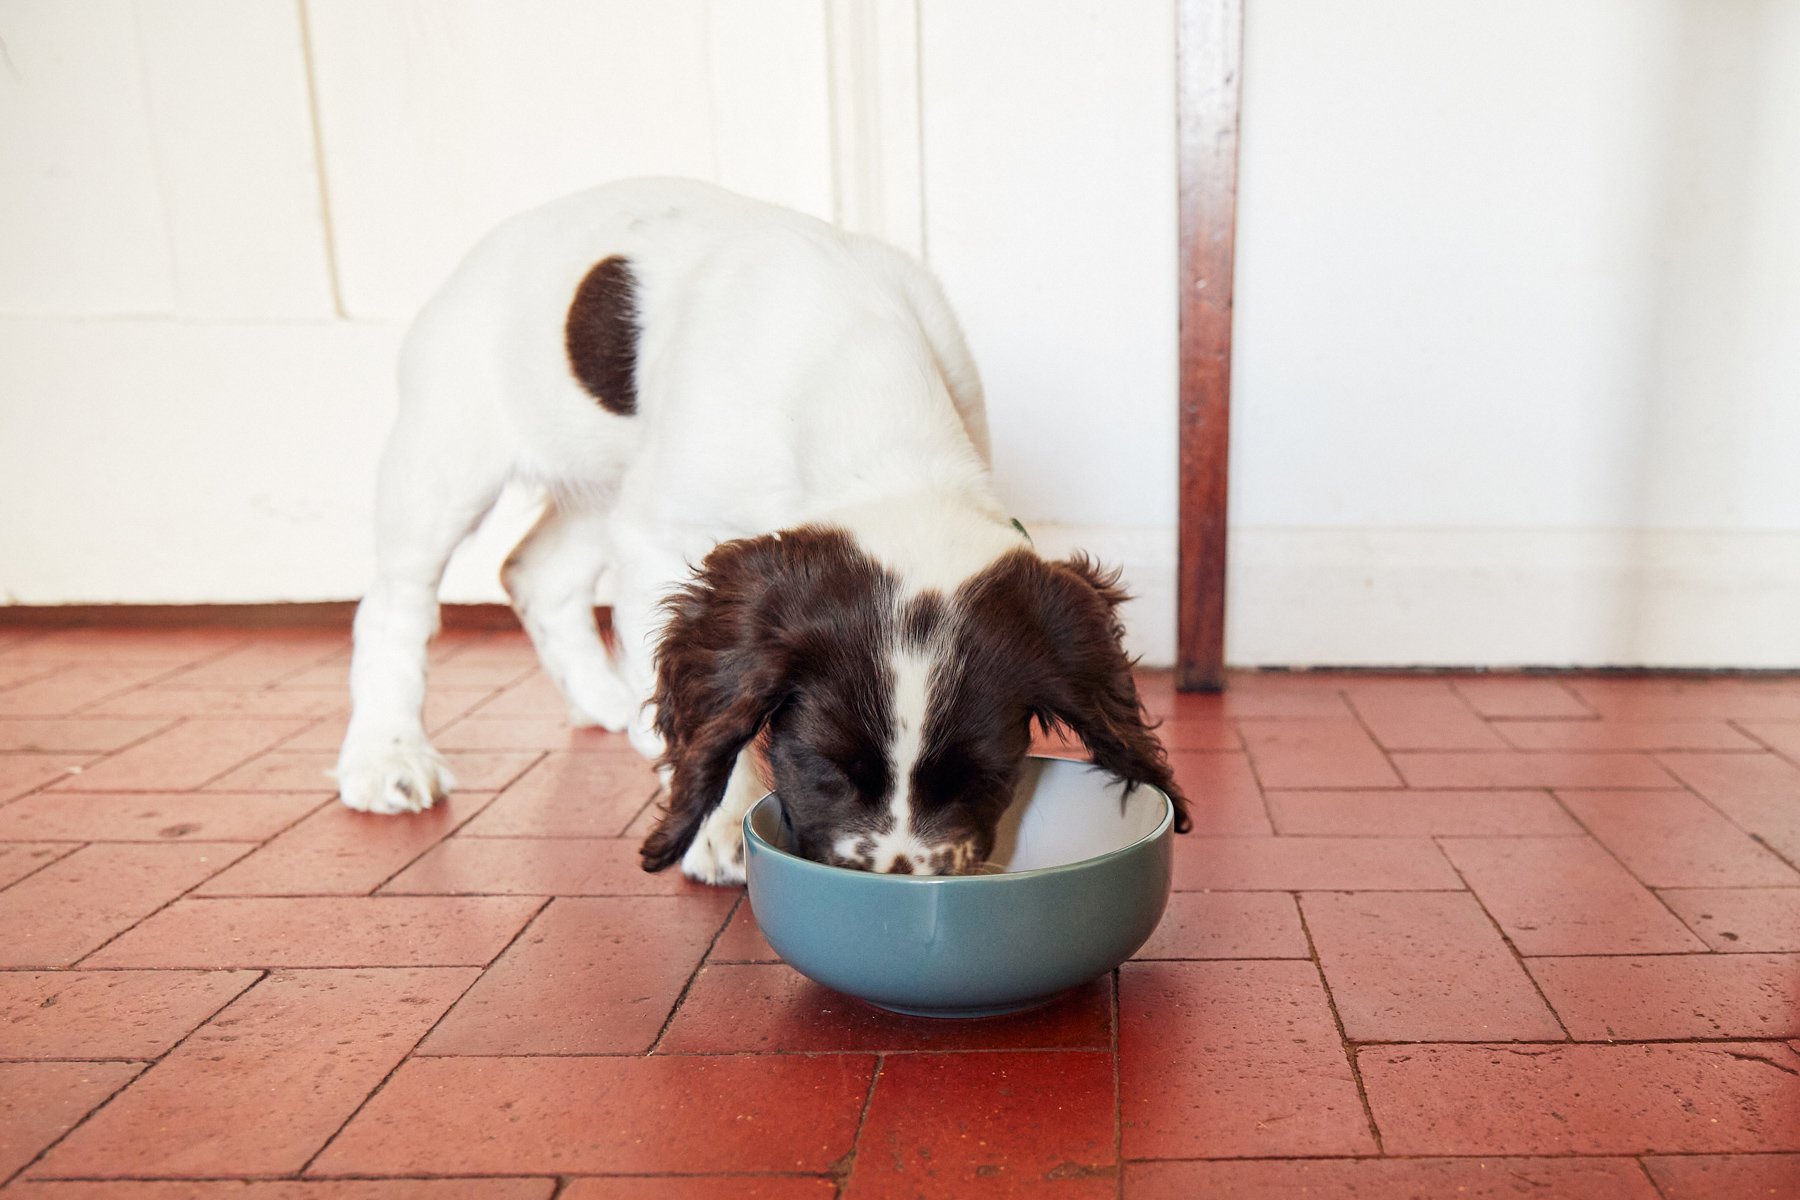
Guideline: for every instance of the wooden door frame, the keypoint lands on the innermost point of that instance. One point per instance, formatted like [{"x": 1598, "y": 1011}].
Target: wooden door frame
[{"x": 1209, "y": 62}]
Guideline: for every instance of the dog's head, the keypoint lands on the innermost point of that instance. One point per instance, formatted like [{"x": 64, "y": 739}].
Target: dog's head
[{"x": 895, "y": 724}]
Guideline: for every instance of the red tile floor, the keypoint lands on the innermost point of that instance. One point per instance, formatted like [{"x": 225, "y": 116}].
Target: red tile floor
[{"x": 1474, "y": 936}]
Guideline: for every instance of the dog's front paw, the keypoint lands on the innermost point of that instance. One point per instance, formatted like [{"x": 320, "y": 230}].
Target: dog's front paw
[
  {"x": 404, "y": 774},
  {"x": 716, "y": 855}
]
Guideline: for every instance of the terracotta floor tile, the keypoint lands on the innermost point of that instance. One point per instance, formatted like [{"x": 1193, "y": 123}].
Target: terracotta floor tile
[
  {"x": 1391, "y": 1179},
  {"x": 442, "y": 707},
  {"x": 1758, "y": 791},
  {"x": 1615, "y": 1099},
  {"x": 1744, "y": 920},
  {"x": 334, "y": 674},
  {"x": 1502, "y": 813},
  {"x": 701, "y": 1187},
  {"x": 40, "y": 1101},
  {"x": 108, "y": 1014},
  {"x": 742, "y": 941},
  {"x": 1310, "y": 754},
  {"x": 1252, "y": 696},
  {"x": 571, "y": 795},
  {"x": 14, "y": 672},
  {"x": 323, "y": 931},
  {"x": 338, "y": 851},
  {"x": 504, "y": 642},
  {"x": 1286, "y": 864},
  {"x": 1566, "y": 896},
  {"x": 1421, "y": 714},
  {"x": 1222, "y": 792},
  {"x": 1675, "y": 839},
  {"x": 1783, "y": 737},
  {"x": 165, "y": 701},
  {"x": 1623, "y": 735},
  {"x": 64, "y": 734},
  {"x": 172, "y": 647},
  {"x": 1422, "y": 967},
  {"x": 1233, "y": 1059},
  {"x": 1198, "y": 733},
  {"x": 186, "y": 756},
  {"x": 1520, "y": 696},
  {"x": 76, "y": 904},
  {"x": 22, "y": 773},
  {"x": 488, "y": 1188},
  {"x": 586, "y": 1116},
  {"x": 71, "y": 689},
  {"x": 1228, "y": 925},
  {"x": 306, "y": 770},
  {"x": 988, "y": 1125},
  {"x": 1665, "y": 997},
  {"x": 266, "y": 660},
  {"x": 153, "y": 817},
  {"x": 1653, "y": 699},
  {"x": 527, "y": 733},
  {"x": 19, "y": 859},
  {"x": 1725, "y": 1176},
  {"x": 1526, "y": 769},
  {"x": 487, "y": 866},
  {"x": 589, "y": 976},
  {"x": 766, "y": 1007},
  {"x": 309, "y": 1045},
  {"x": 535, "y": 696}
]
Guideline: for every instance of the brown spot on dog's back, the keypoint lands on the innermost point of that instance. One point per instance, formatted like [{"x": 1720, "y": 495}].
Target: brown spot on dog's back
[{"x": 601, "y": 335}]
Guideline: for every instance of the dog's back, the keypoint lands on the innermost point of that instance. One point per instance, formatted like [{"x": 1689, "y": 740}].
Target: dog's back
[{"x": 772, "y": 364}]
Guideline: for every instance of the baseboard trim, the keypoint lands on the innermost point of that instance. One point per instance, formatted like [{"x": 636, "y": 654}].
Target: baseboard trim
[{"x": 321, "y": 614}]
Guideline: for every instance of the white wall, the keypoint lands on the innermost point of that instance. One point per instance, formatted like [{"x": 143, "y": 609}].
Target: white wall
[{"x": 1517, "y": 284}]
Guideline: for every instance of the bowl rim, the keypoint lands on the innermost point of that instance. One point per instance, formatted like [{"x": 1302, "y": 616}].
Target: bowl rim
[{"x": 1081, "y": 864}]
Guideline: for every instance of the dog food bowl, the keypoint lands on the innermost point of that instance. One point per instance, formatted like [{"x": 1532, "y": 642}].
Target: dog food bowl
[{"x": 1085, "y": 875}]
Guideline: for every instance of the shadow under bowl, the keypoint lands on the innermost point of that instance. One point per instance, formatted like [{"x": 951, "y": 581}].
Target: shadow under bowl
[{"x": 1087, "y": 872}]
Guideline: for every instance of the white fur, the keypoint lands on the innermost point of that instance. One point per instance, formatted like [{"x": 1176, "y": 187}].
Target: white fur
[
  {"x": 788, "y": 372},
  {"x": 912, "y": 681}
]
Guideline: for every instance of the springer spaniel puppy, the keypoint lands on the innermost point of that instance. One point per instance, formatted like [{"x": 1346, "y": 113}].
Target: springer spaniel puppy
[{"x": 699, "y": 378}]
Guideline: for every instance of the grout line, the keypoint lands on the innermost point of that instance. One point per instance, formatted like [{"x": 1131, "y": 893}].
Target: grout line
[
  {"x": 48, "y": 862},
  {"x": 1344, "y": 1043},
  {"x": 1518, "y": 956},
  {"x": 842, "y": 1168},
  {"x": 1753, "y": 835},
  {"x": 170, "y": 902},
  {"x": 413, "y": 861},
  {"x": 411, "y": 1051},
  {"x": 699, "y": 966},
  {"x": 150, "y": 1065}
]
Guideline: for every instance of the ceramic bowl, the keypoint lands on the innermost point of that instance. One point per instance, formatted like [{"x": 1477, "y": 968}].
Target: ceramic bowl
[{"x": 1086, "y": 876}]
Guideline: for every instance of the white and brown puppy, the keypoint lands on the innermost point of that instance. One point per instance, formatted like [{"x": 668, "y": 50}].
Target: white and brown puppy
[{"x": 698, "y": 378}]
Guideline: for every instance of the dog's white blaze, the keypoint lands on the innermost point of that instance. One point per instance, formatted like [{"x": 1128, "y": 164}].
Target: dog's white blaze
[{"x": 912, "y": 685}]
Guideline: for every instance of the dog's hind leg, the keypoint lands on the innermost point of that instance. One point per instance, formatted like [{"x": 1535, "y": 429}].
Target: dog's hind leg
[
  {"x": 551, "y": 578},
  {"x": 433, "y": 491}
]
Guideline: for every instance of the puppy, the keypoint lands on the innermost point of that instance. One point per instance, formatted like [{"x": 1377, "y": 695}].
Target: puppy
[{"x": 698, "y": 378}]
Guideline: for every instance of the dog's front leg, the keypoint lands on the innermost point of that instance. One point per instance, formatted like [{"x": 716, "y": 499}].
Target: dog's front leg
[{"x": 716, "y": 854}]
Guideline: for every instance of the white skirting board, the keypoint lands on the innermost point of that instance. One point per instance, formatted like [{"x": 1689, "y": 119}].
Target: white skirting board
[{"x": 1475, "y": 597}]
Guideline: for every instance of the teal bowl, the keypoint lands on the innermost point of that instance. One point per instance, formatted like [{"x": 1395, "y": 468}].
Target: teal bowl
[{"x": 1087, "y": 871}]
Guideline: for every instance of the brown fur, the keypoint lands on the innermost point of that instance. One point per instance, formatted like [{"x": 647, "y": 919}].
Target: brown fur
[
  {"x": 789, "y": 636},
  {"x": 601, "y": 335}
]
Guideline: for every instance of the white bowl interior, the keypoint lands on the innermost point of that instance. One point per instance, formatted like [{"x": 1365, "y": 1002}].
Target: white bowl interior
[{"x": 1063, "y": 812}]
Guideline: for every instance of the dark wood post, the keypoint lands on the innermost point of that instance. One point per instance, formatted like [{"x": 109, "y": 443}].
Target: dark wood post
[{"x": 1209, "y": 60}]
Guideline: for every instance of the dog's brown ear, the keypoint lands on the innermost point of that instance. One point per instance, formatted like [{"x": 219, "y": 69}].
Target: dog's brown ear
[
  {"x": 1090, "y": 689},
  {"x": 720, "y": 673}
]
